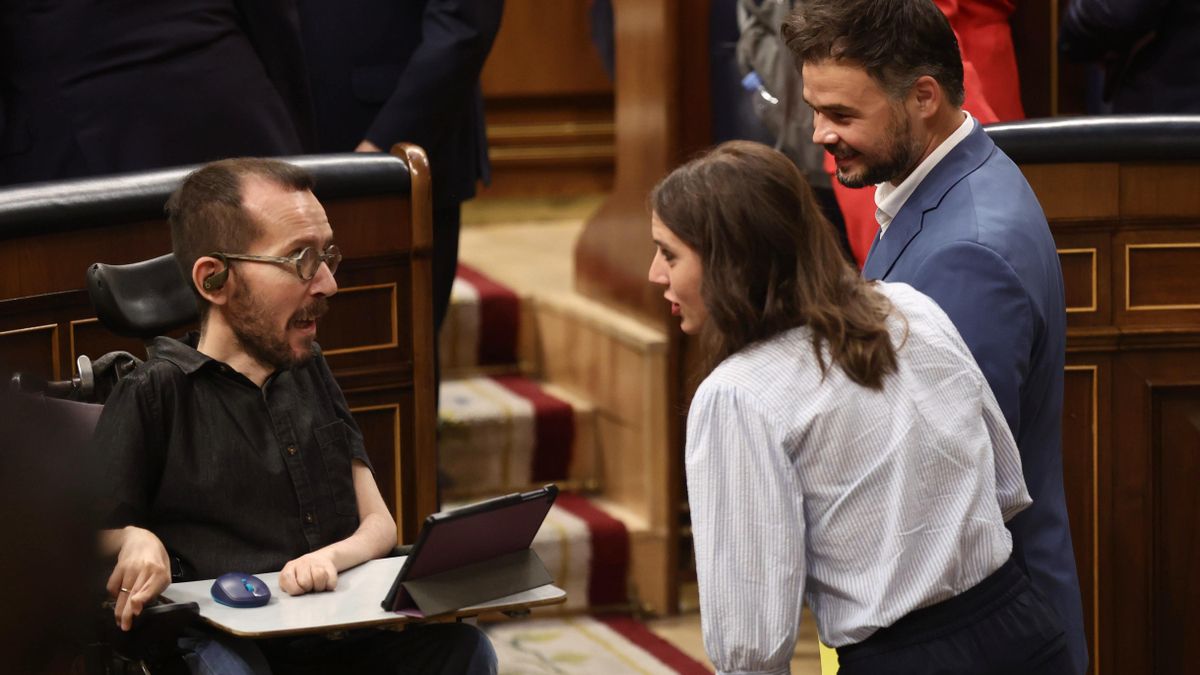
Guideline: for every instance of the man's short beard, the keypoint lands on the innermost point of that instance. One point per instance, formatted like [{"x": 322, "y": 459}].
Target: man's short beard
[
  {"x": 250, "y": 325},
  {"x": 899, "y": 161}
]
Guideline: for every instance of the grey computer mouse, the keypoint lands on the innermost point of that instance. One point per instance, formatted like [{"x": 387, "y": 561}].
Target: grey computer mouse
[{"x": 238, "y": 589}]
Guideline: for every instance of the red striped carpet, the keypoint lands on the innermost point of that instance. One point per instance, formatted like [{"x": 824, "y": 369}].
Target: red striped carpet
[
  {"x": 553, "y": 424},
  {"x": 501, "y": 434},
  {"x": 481, "y": 324}
]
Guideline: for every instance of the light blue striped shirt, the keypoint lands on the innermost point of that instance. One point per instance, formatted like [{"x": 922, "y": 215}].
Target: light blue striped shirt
[{"x": 867, "y": 504}]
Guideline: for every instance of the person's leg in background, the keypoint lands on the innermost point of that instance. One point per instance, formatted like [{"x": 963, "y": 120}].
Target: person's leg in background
[{"x": 447, "y": 222}]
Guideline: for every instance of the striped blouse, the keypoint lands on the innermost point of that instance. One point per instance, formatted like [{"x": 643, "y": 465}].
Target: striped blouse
[{"x": 865, "y": 504}]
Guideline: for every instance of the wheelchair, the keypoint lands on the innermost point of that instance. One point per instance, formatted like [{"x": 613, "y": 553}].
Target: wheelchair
[{"x": 141, "y": 300}]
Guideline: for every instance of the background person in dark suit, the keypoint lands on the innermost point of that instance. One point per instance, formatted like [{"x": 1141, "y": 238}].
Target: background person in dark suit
[
  {"x": 90, "y": 87},
  {"x": 385, "y": 71},
  {"x": 1150, "y": 49}
]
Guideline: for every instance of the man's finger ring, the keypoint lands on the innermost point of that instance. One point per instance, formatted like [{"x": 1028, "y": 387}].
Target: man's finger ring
[{"x": 124, "y": 590}]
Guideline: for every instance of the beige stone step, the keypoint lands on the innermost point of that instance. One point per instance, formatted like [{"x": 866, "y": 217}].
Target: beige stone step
[{"x": 489, "y": 442}]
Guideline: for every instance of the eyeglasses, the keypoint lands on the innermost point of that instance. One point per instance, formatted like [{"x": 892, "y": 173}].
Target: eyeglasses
[{"x": 305, "y": 263}]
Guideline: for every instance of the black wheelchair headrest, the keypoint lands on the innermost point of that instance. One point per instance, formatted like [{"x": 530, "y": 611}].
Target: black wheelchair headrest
[{"x": 143, "y": 299}]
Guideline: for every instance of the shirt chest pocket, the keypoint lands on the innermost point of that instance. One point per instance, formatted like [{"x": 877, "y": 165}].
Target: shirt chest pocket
[{"x": 334, "y": 441}]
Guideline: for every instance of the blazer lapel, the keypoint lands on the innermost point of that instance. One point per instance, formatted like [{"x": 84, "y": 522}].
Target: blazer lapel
[
  {"x": 888, "y": 246},
  {"x": 965, "y": 158}
]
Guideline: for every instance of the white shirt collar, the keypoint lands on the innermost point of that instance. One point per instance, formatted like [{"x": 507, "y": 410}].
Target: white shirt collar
[{"x": 889, "y": 198}]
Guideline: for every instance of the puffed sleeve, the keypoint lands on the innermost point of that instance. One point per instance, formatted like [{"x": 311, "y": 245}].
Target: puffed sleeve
[
  {"x": 1011, "y": 492},
  {"x": 748, "y": 528}
]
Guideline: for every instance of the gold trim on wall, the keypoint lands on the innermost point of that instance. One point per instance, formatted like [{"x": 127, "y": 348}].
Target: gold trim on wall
[
  {"x": 1095, "y": 287},
  {"x": 1144, "y": 308},
  {"x": 552, "y": 129},
  {"x": 397, "y": 479},
  {"x": 71, "y": 334},
  {"x": 1095, "y": 371},
  {"x": 551, "y": 152},
  {"x": 54, "y": 355},
  {"x": 395, "y": 322}
]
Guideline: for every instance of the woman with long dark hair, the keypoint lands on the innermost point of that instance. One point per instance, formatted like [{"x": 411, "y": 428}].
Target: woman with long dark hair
[{"x": 843, "y": 449}]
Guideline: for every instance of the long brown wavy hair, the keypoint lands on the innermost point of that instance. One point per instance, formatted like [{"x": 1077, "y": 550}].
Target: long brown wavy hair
[{"x": 771, "y": 261}]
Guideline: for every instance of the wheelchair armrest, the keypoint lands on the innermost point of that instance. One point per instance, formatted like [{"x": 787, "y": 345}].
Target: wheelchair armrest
[
  {"x": 154, "y": 632},
  {"x": 82, "y": 388}
]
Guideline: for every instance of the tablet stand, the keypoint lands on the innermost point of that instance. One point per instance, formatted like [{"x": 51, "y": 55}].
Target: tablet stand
[{"x": 473, "y": 584}]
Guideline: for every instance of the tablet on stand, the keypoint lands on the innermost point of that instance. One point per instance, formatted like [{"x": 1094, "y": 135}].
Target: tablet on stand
[{"x": 472, "y": 555}]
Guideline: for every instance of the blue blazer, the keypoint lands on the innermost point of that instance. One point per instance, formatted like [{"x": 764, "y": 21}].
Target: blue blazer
[{"x": 973, "y": 237}]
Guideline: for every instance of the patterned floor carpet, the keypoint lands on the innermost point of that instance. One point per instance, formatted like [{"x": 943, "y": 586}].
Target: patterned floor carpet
[{"x": 584, "y": 645}]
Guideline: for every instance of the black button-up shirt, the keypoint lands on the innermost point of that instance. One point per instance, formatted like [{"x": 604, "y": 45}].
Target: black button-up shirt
[{"x": 229, "y": 476}]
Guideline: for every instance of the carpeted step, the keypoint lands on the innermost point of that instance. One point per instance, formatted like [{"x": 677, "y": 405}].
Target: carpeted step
[
  {"x": 482, "y": 325},
  {"x": 506, "y": 433},
  {"x": 584, "y": 645},
  {"x": 586, "y": 550}
]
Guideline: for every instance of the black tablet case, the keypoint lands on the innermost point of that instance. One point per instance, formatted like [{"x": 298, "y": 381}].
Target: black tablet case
[{"x": 473, "y": 555}]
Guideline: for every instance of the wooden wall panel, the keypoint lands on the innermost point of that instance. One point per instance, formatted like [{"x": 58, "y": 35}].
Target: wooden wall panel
[
  {"x": 1155, "y": 276},
  {"x": 1050, "y": 86},
  {"x": 1160, "y": 191},
  {"x": 1176, "y": 586},
  {"x": 32, "y": 349},
  {"x": 1152, "y": 521},
  {"x": 544, "y": 49},
  {"x": 1162, "y": 276},
  {"x": 1076, "y": 191},
  {"x": 364, "y": 318},
  {"x": 380, "y": 426},
  {"x": 1131, "y": 414},
  {"x": 88, "y": 337},
  {"x": 1085, "y": 261},
  {"x": 1084, "y": 386},
  {"x": 365, "y": 227},
  {"x": 27, "y": 273},
  {"x": 1127, "y": 644}
]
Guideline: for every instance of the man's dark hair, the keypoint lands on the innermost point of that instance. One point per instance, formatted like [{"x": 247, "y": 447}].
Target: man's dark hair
[
  {"x": 206, "y": 214},
  {"x": 895, "y": 41}
]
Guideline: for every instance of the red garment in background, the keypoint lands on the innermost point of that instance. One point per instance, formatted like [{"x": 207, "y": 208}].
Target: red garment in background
[{"x": 992, "y": 89}]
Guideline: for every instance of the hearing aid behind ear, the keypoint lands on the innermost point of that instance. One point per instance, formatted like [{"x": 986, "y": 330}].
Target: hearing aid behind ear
[{"x": 217, "y": 279}]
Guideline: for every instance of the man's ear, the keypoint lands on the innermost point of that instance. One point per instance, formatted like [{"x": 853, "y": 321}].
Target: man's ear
[
  {"x": 927, "y": 96},
  {"x": 209, "y": 275}
]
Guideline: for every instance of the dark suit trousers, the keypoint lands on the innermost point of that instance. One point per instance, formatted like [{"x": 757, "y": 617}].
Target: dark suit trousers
[
  {"x": 1001, "y": 626},
  {"x": 447, "y": 221}
]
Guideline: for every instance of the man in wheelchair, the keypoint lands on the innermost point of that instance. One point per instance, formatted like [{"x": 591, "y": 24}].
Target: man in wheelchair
[{"x": 234, "y": 450}]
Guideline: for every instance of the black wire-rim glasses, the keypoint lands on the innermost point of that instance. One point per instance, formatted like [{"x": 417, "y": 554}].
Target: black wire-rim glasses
[{"x": 305, "y": 263}]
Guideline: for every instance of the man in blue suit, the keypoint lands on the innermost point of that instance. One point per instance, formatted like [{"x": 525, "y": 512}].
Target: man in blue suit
[
  {"x": 386, "y": 71},
  {"x": 958, "y": 222}
]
